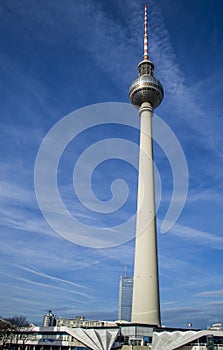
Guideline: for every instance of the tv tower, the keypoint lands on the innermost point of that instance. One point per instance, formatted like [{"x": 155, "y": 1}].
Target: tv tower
[{"x": 146, "y": 93}]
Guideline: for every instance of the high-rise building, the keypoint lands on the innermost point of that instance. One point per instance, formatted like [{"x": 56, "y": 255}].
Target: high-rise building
[
  {"x": 49, "y": 320},
  {"x": 146, "y": 93},
  {"x": 125, "y": 298}
]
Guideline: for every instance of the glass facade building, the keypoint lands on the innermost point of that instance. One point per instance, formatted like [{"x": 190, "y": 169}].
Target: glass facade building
[{"x": 125, "y": 298}]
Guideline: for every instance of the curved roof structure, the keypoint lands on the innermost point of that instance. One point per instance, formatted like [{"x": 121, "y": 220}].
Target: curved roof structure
[
  {"x": 95, "y": 339},
  {"x": 89, "y": 338},
  {"x": 173, "y": 340}
]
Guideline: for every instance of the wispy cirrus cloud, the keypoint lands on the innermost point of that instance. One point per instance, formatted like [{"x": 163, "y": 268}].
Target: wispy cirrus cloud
[
  {"x": 182, "y": 95},
  {"x": 200, "y": 315},
  {"x": 211, "y": 294},
  {"x": 47, "y": 276},
  {"x": 201, "y": 237}
]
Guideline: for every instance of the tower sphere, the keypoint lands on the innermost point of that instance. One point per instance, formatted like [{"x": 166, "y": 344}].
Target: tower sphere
[{"x": 146, "y": 88}]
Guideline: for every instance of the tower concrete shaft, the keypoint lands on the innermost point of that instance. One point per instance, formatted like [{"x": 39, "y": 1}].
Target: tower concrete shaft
[
  {"x": 146, "y": 93},
  {"x": 145, "y": 304}
]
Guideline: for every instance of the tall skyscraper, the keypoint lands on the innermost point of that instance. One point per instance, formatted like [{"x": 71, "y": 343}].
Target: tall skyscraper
[
  {"x": 146, "y": 93},
  {"x": 49, "y": 320},
  {"x": 125, "y": 298}
]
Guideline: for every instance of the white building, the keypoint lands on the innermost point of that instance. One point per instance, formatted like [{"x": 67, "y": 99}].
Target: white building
[{"x": 121, "y": 336}]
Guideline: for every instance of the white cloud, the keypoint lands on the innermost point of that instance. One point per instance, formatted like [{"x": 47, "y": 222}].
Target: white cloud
[
  {"x": 204, "y": 194},
  {"x": 211, "y": 294},
  {"x": 47, "y": 276},
  {"x": 212, "y": 240}
]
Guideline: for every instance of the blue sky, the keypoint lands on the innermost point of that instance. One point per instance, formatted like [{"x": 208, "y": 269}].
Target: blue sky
[{"x": 59, "y": 56}]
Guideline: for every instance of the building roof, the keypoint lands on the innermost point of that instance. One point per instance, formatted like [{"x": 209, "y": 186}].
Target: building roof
[
  {"x": 92, "y": 338},
  {"x": 173, "y": 340},
  {"x": 96, "y": 339}
]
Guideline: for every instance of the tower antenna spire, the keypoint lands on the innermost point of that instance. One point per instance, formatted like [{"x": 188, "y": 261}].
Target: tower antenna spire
[{"x": 145, "y": 55}]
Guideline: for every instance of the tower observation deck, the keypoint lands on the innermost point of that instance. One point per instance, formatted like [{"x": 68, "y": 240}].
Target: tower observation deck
[
  {"x": 146, "y": 93},
  {"x": 146, "y": 88}
]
